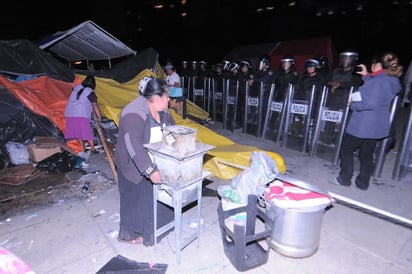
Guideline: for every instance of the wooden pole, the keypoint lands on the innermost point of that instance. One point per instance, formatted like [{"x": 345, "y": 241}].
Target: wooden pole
[{"x": 107, "y": 149}]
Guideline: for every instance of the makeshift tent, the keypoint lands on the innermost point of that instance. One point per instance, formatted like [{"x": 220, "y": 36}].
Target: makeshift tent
[
  {"x": 47, "y": 97},
  {"x": 20, "y": 57},
  {"x": 299, "y": 49},
  {"x": 130, "y": 67},
  {"x": 86, "y": 41}
]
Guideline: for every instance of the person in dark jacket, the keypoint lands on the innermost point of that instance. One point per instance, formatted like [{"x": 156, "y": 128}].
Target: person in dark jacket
[
  {"x": 369, "y": 121},
  {"x": 287, "y": 75},
  {"x": 343, "y": 80},
  {"x": 141, "y": 122}
]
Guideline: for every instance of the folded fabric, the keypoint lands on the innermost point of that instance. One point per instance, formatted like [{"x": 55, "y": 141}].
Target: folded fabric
[{"x": 287, "y": 195}]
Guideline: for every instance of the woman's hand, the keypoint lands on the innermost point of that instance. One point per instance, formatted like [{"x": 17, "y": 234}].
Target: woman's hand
[
  {"x": 155, "y": 177},
  {"x": 363, "y": 71}
]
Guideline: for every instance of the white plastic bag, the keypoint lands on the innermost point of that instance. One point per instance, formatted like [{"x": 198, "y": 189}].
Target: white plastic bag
[{"x": 18, "y": 153}]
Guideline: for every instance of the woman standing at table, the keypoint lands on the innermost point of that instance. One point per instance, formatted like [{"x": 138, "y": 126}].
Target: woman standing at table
[{"x": 141, "y": 122}]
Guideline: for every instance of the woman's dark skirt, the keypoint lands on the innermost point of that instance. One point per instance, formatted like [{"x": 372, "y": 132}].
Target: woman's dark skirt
[{"x": 137, "y": 212}]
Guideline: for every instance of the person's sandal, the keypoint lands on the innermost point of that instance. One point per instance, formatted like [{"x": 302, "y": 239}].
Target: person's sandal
[{"x": 138, "y": 240}]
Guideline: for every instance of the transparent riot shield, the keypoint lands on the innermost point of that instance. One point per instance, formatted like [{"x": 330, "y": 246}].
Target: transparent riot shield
[
  {"x": 381, "y": 148},
  {"x": 252, "y": 121},
  {"x": 184, "y": 83},
  {"x": 274, "y": 117},
  {"x": 199, "y": 92},
  {"x": 330, "y": 125},
  {"x": 231, "y": 102},
  {"x": 403, "y": 163},
  {"x": 218, "y": 98},
  {"x": 300, "y": 121}
]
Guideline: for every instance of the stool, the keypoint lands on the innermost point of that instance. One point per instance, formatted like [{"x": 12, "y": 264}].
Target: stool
[
  {"x": 178, "y": 198},
  {"x": 243, "y": 246}
]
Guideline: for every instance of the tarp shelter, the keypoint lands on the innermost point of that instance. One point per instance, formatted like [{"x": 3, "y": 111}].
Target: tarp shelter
[
  {"x": 21, "y": 57},
  {"x": 46, "y": 97},
  {"x": 86, "y": 41},
  {"x": 299, "y": 49}
]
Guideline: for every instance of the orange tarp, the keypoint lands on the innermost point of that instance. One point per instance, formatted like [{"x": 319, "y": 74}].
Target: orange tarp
[{"x": 44, "y": 96}]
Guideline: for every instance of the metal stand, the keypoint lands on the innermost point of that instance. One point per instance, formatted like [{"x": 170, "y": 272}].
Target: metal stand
[{"x": 178, "y": 198}]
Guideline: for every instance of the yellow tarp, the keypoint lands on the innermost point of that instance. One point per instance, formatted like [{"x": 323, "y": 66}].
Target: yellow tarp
[
  {"x": 113, "y": 96},
  {"x": 225, "y": 151}
]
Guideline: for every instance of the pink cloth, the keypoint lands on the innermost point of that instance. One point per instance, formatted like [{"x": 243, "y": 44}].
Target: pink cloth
[
  {"x": 78, "y": 128},
  {"x": 10, "y": 263},
  {"x": 287, "y": 195}
]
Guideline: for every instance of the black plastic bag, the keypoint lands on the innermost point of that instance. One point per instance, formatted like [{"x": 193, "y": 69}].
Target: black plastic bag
[
  {"x": 60, "y": 162},
  {"x": 123, "y": 265}
]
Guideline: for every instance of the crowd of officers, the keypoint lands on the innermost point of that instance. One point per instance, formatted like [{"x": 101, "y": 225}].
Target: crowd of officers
[
  {"x": 316, "y": 73},
  {"x": 339, "y": 81}
]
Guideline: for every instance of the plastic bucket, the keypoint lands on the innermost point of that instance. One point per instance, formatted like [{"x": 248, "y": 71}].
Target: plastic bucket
[{"x": 296, "y": 232}]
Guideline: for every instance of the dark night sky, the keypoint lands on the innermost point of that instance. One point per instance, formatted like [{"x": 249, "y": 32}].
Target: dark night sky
[{"x": 213, "y": 27}]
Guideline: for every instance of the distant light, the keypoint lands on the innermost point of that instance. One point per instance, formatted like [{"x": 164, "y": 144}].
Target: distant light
[
  {"x": 318, "y": 13},
  {"x": 183, "y": 14},
  {"x": 77, "y": 62},
  {"x": 330, "y": 12},
  {"x": 359, "y": 7},
  {"x": 183, "y": 2},
  {"x": 259, "y": 10},
  {"x": 291, "y": 4},
  {"x": 158, "y": 7}
]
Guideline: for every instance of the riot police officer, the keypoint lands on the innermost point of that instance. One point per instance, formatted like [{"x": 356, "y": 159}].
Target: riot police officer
[
  {"x": 343, "y": 78},
  {"x": 203, "y": 72},
  {"x": 193, "y": 70},
  {"x": 217, "y": 73},
  {"x": 226, "y": 69},
  {"x": 184, "y": 69},
  {"x": 265, "y": 73},
  {"x": 287, "y": 75},
  {"x": 246, "y": 73},
  {"x": 310, "y": 77},
  {"x": 234, "y": 70}
]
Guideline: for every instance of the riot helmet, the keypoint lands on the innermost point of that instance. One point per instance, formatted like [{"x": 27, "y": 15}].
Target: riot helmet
[
  {"x": 203, "y": 63},
  {"x": 324, "y": 63},
  {"x": 348, "y": 58},
  {"x": 312, "y": 62},
  {"x": 287, "y": 62},
  {"x": 218, "y": 67},
  {"x": 234, "y": 66},
  {"x": 226, "y": 64},
  {"x": 246, "y": 63},
  {"x": 264, "y": 60},
  {"x": 185, "y": 64}
]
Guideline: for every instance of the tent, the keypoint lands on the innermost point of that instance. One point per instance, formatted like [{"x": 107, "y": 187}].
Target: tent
[
  {"x": 21, "y": 57},
  {"x": 43, "y": 99},
  {"x": 86, "y": 41},
  {"x": 299, "y": 49}
]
